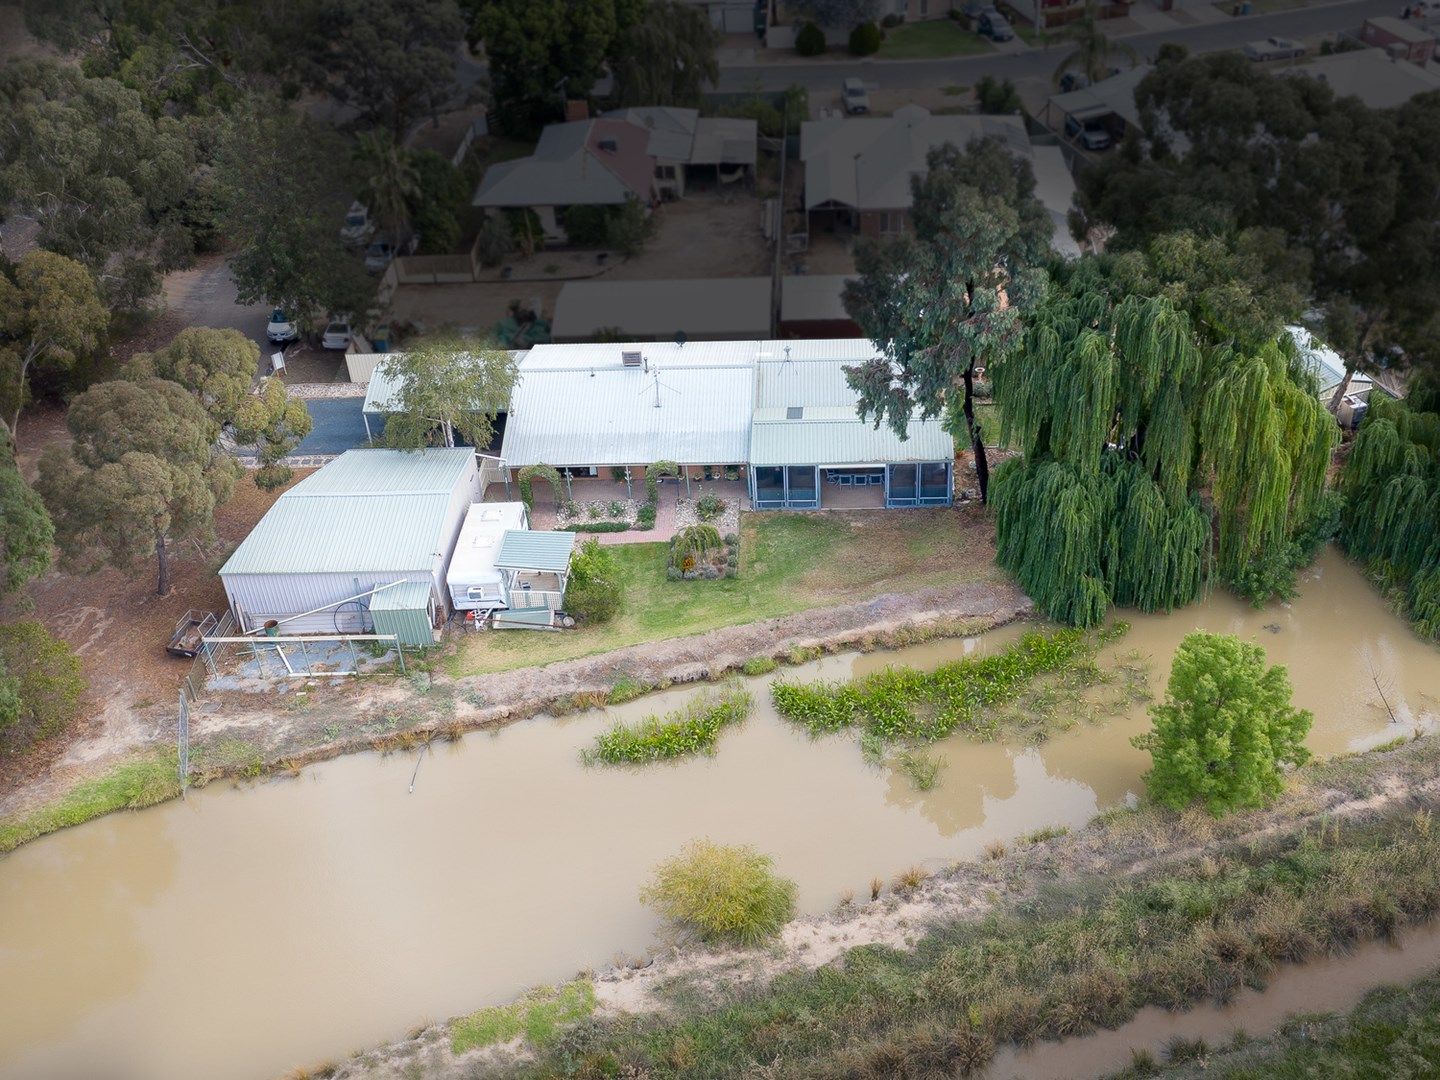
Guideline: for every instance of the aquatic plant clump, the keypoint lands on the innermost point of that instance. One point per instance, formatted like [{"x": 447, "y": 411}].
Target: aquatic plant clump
[
  {"x": 726, "y": 894},
  {"x": 693, "y": 729},
  {"x": 902, "y": 703}
]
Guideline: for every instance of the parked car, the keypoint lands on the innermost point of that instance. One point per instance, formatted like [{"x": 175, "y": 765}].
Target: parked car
[
  {"x": 382, "y": 249},
  {"x": 358, "y": 226},
  {"x": 280, "y": 330},
  {"x": 1274, "y": 48},
  {"x": 1073, "y": 80},
  {"x": 972, "y": 11},
  {"x": 993, "y": 25},
  {"x": 1088, "y": 136},
  {"x": 337, "y": 335},
  {"x": 853, "y": 94}
]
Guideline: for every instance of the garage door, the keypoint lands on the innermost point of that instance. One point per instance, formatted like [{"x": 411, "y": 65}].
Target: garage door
[{"x": 738, "y": 19}]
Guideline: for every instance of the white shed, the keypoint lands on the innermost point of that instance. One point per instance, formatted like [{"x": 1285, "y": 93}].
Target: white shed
[{"x": 367, "y": 520}]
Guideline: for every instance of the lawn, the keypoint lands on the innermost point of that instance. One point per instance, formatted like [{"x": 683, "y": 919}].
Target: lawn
[
  {"x": 788, "y": 563},
  {"x": 930, "y": 40}
]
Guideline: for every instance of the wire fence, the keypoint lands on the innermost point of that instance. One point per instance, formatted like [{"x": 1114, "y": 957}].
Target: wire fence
[{"x": 182, "y": 738}]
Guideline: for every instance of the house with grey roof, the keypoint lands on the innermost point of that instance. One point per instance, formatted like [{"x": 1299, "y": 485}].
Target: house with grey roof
[
  {"x": 597, "y": 162},
  {"x": 1379, "y": 79},
  {"x": 858, "y": 169},
  {"x": 688, "y": 147}
]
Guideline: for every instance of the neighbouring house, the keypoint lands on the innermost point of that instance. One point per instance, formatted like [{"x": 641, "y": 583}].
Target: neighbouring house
[
  {"x": 501, "y": 568},
  {"x": 813, "y": 306},
  {"x": 732, "y": 16},
  {"x": 1372, "y": 75},
  {"x": 1053, "y": 14},
  {"x": 781, "y": 408},
  {"x": 858, "y": 169},
  {"x": 701, "y": 309},
  {"x": 360, "y": 546},
  {"x": 1329, "y": 369},
  {"x": 597, "y": 162},
  {"x": 689, "y": 148},
  {"x": 1400, "y": 38},
  {"x": 809, "y": 449},
  {"x": 1108, "y": 105}
]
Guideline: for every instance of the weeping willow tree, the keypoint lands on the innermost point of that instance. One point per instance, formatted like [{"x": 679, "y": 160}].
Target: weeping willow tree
[
  {"x": 1150, "y": 454},
  {"x": 1392, "y": 502}
]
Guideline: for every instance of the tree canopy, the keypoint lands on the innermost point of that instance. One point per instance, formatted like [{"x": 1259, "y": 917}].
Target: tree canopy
[
  {"x": 141, "y": 472},
  {"x": 666, "y": 58},
  {"x": 447, "y": 385},
  {"x": 26, "y": 534},
  {"x": 1130, "y": 406},
  {"x": 217, "y": 366},
  {"x": 1225, "y": 729},
  {"x": 952, "y": 293},
  {"x": 50, "y": 313}
]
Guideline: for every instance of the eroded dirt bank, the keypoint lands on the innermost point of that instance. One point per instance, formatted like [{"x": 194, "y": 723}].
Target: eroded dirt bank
[{"x": 293, "y": 724}]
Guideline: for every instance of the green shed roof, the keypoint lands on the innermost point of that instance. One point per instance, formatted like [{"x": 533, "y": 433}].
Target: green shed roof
[
  {"x": 407, "y": 596},
  {"x": 522, "y": 549}
]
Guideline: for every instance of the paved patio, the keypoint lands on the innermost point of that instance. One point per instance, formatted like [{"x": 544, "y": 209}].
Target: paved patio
[{"x": 603, "y": 489}]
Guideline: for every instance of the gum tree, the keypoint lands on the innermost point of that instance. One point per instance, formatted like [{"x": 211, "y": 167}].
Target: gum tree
[
  {"x": 447, "y": 385},
  {"x": 950, "y": 295}
]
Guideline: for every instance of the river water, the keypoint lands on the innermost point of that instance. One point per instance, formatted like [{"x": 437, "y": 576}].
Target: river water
[{"x": 243, "y": 932}]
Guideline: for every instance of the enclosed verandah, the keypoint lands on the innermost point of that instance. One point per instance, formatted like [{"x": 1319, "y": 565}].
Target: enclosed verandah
[{"x": 872, "y": 485}]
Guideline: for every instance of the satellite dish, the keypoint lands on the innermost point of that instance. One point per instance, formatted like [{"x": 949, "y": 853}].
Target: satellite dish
[{"x": 680, "y": 338}]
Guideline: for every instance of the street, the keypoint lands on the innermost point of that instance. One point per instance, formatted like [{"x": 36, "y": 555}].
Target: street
[{"x": 1040, "y": 63}]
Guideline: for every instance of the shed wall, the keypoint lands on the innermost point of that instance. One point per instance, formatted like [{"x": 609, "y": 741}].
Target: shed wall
[{"x": 254, "y": 598}]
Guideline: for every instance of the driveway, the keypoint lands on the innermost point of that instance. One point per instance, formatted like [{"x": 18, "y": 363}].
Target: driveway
[
  {"x": 204, "y": 295},
  {"x": 337, "y": 425}
]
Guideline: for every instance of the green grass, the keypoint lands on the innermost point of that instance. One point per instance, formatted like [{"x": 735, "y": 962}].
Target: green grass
[
  {"x": 131, "y": 786},
  {"x": 537, "y": 1016},
  {"x": 1083, "y": 953},
  {"x": 692, "y": 729},
  {"x": 922, "y": 768},
  {"x": 989, "y": 417},
  {"x": 788, "y": 563},
  {"x": 931, "y": 39},
  {"x": 759, "y": 665}
]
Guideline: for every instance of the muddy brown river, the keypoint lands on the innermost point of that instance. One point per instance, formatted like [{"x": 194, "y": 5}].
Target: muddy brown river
[{"x": 244, "y": 932}]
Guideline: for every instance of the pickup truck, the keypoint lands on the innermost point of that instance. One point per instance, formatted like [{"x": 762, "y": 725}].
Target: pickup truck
[{"x": 1274, "y": 48}]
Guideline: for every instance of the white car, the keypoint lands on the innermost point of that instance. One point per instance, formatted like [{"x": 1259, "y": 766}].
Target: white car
[
  {"x": 358, "y": 226},
  {"x": 854, "y": 97},
  {"x": 336, "y": 336},
  {"x": 1274, "y": 48},
  {"x": 280, "y": 330}
]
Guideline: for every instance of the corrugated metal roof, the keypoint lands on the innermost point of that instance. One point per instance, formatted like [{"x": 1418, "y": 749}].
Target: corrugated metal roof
[
  {"x": 830, "y": 438},
  {"x": 813, "y": 297},
  {"x": 342, "y": 534},
  {"x": 522, "y": 549},
  {"x": 407, "y": 596},
  {"x": 1371, "y": 75},
  {"x": 368, "y": 510},
  {"x": 608, "y": 416},
  {"x": 373, "y": 472},
  {"x": 1324, "y": 361},
  {"x": 725, "y": 140},
  {"x": 383, "y": 385},
  {"x": 1113, "y": 95},
  {"x": 568, "y": 168},
  {"x": 805, "y": 381},
  {"x": 585, "y": 356},
  {"x": 734, "y": 307}
]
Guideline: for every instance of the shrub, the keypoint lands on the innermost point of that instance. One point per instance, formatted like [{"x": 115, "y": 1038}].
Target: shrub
[
  {"x": 629, "y": 228},
  {"x": 1225, "y": 729},
  {"x": 892, "y": 20},
  {"x": 595, "y": 510},
  {"x": 997, "y": 96},
  {"x": 810, "y": 40},
  {"x": 709, "y": 507},
  {"x": 731, "y": 539},
  {"x": 645, "y": 516},
  {"x": 865, "y": 39},
  {"x": 616, "y": 508},
  {"x": 41, "y": 683},
  {"x": 525, "y": 480},
  {"x": 593, "y": 593},
  {"x": 588, "y": 226},
  {"x": 270, "y": 477},
  {"x": 693, "y": 729},
  {"x": 596, "y": 526},
  {"x": 725, "y": 894},
  {"x": 693, "y": 544}
]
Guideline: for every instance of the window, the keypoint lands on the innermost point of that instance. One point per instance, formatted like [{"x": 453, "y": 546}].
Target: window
[
  {"x": 892, "y": 222},
  {"x": 769, "y": 486},
  {"x": 935, "y": 482},
  {"x": 924, "y": 8},
  {"x": 665, "y": 172},
  {"x": 801, "y": 481},
  {"x": 902, "y": 490},
  {"x": 794, "y": 487}
]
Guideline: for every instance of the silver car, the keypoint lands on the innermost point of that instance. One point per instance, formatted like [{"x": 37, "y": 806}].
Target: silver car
[
  {"x": 336, "y": 336},
  {"x": 1274, "y": 48},
  {"x": 852, "y": 93}
]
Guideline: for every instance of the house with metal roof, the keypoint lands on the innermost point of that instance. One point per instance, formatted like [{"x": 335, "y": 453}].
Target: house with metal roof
[
  {"x": 372, "y": 524},
  {"x": 688, "y": 147},
  {"x": 1377, "y": 78},
  {"x": 598, "y": 162},
  {"x": 858, "y": 169},
  {"x": 699, "y": 308}
]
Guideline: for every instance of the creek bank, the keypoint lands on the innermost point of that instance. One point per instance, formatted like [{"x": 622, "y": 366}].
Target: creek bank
[
  {"x": 1340, "y": 798},
  {"x": 243, "y": 735}
]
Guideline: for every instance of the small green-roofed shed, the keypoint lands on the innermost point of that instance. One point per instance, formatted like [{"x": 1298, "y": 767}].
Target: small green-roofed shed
[
  {"x": 405, "y": 610},
  {"x": 548, "y": 552}
]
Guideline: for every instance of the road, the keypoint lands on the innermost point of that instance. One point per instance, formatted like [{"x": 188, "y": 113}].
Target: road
[{"x": 1039, "y": 63}]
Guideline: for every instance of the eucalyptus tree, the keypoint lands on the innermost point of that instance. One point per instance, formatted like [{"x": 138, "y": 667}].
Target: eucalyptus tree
[
  {"x": 1157, "y": 443},
  {"x": 951, "y": 295},
  {"x": 447, "y": 385},
  {"x": 667, "y": 57}
]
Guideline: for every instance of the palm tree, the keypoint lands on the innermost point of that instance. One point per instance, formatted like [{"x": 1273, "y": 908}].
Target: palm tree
[
  {"x": 1093, "y": 49},
  {"x": 390, "y": 182}
]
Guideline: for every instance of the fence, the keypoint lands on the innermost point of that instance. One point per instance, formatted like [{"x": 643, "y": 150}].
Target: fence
[
  {"x": 183, "y": 742},
  {"x": 207, "y": 658}
]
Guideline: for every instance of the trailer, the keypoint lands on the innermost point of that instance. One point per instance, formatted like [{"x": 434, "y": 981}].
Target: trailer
[{"x": 190, "y": 633}]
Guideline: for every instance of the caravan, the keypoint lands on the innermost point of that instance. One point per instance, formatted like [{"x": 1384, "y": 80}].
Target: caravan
[{"x": 475, "y": 582}]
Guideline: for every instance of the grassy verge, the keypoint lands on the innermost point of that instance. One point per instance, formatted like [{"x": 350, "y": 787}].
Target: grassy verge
[
  {"x": 537, "y": 1017},
  {"x": 1395, "y": 1031},
  {"x": 1076, "y": 955},
  {"x": 136, "y": 784},
  {"x": 930, "y": 40},
  {"x": 692, "y": 729},
  {"x": 964, "y": 695},
  {"x": 788, "y": 563}
]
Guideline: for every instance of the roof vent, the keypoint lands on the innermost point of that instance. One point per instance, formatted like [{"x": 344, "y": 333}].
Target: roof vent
[
  {"x": 795, "y": 412},
  {"x": 631, "y": 359}
]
